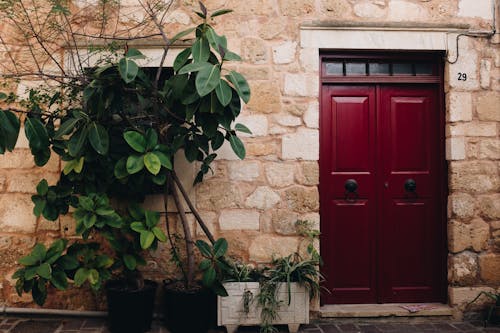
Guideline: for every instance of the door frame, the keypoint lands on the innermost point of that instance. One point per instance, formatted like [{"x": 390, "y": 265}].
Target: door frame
[{"x": 436, "y": 79}]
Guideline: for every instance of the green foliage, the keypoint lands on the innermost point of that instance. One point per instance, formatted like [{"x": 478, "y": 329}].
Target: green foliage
[
  {"x": 214, "y": 264},
  {"x": 52, "y": 201},
  {"x": 491, "y": 308},
  {"x": 95, "y": 212},
  {"x": 146, "y": 225}
]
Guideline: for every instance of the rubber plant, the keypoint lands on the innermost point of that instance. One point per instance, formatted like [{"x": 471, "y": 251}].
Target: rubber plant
[{"x": 117, "y": 127}]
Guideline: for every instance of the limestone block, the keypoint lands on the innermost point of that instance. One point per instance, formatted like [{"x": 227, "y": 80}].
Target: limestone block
[
  {"x": 479, "y": 234},
  {"x": 17, "y": 159},
  {"x": 369, "y": 10},
  {"x": 311, "y": 116},
  {"x": 22, "y": 140},
  {"x": 302, "y": 199},
  {"x": 458, "y": 236},
  {"x": 265, "y": 246},
  {"x": 273, "y": 28},
  {"x": 454, "y": 130},
  {"x": 467, "y": 63},
  {"x": 210, "y": 219},
  {"x": 475, "y": 128},
  {"x": 251, "y": 8},
  {"x": 310, "y": 173},
  {"x": 46, "y": 225},
  {"x": 287, "y": 120},
  {"x": 489, "y": 148},
  {"x": 280, "y": 174},
  {"x": 304, "y": 85},
  {"x": 461, "y": 205},
  {"x": 239, "y": 219},
  {"x": 16, "y": 213},
  {"x": 297, "y": 7},
  {"x": 67, "y": 225},
  {"x": 257, "y": 124},
  {"x": 284, "y": 53},
  {"x": 459, "y": 106},
  {"x": 402, "y": 10},
  {"x": 489, "y": 205},
  {"x": 309, "y": 59},
  {"x": 463, "y": 269},
  {"x": 263, "y": 198},
  {"x": 283, "y": 221},
  {"x": 216, "y": 195},
  {"x": 255, "y": 73},
  {"x": 473, "y": 8},
  {"x": 485, "y": 73},
  {"x": 266, "y": 97},
  {"x": 254, "y": 50},
  {"x": 263, "y": 148},
  {"x": 474, "y": 176},
  {"x": 488, "y": 106},
  {"x": 27, "y": 182},
  {"x": 336, "y": 8},
  {"x": 455, "y": 148},
  {"x": 304, "y": 144},
  {"x": 243, "y": 170},
  {"x": 296, "y": 109},
  {"x": 463, "y": 295},
  {"x": 489, "y": 265}
]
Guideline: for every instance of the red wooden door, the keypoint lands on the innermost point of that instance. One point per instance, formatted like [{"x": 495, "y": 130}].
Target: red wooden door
[{"x": 380, "y": 193}]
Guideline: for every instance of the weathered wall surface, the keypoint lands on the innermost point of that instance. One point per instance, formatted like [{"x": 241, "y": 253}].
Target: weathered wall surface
[{"x": 254, "y": 203}]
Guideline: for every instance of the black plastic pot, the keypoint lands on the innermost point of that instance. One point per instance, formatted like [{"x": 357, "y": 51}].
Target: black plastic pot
[
  {"x": 193, "y": 311},
  {"x": 130, "y": 311}
]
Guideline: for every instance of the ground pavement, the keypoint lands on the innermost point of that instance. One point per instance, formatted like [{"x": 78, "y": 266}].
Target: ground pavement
[{"x": 78, "y": 325}]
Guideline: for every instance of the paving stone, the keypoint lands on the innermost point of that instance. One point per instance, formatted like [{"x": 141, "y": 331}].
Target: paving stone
[
  {"x": 31, "y": 326},
  {"x": 329, "y": 329},
  {"x": 94, "y": 323},
  {"x": 444, "y": 327},
  {"x": 72, "y": 324}
]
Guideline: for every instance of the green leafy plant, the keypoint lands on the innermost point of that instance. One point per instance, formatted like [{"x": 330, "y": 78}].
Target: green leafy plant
[
  {"x": 214, "y": 264},
  {"x": 492, "y": 307},
  {"x": 117, "y": 127}
]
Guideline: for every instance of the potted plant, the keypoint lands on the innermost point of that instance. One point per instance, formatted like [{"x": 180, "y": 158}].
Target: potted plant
[
  {"x": 492, "y": 312},
  {"x": 278, "y": 293},
  {"x": 117, "y": 127}
]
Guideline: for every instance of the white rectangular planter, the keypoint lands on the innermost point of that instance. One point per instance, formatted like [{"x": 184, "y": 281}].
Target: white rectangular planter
[{"x": 231, "y": 311}]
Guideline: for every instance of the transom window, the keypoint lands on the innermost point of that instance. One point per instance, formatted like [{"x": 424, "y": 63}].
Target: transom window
[{"x": 346, "y": 67}]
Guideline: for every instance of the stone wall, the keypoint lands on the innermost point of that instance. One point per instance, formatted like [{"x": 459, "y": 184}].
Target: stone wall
[{"x": 254, "y": 203}]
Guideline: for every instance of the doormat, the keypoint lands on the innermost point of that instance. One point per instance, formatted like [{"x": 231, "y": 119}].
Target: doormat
[{"x": 412, "y": 308}]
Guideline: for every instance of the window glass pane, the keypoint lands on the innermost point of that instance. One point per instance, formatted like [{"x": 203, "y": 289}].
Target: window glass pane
[
  {"x": 378, "y": 69},
  {"x": 402, "y": 69},
  {"x": 423, "y": 69},
  {"x": 334, "y": 68},
  {"x": 355, "y": 68}
]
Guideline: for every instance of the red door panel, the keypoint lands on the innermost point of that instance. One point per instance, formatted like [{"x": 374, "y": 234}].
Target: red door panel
[
  {"x": 383, "y": 243},
  {"x": 348, "y": 131}
]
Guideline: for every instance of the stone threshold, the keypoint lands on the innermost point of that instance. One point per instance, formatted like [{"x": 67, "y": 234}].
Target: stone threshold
[{"x": 383, "y": 310}]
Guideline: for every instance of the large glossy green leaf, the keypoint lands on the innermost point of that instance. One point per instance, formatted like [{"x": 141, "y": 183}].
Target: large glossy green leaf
[
  {"x": 137, "y": 227},
  {"x": 81, "y": 276},
  {"x": 221, "y": 12},
  {"x": 215, "y": 40},
  {"x": 159, "y": 234},
  {"x": 28, "y": 260},
  {"x": 134, "y": 54},
  {"x": 41, "y": 156},
  {"x": 151, "y": 138},
  {"x": 238, "y": 147},
  {"x": 67, "y": 127},
  {"x": 209, "y": 276},
  {"x": 242, "y": 128},
  {"x": 129, "y": 261},
  {"x": 59, "y": 280},
  {"x": 240, "y": 84},
  {"x": 231, "y": 56},
  {"x": 128, "y": 69},
  {"x": 98, "y": 137},
  {"x": 68, "y": 262},
  {"x": 200, "y": 50},
  {"x": 44, "y": 270},
  {"x": 120, "y": 170},
  {"x": 36, "y": 133},
  {"x": 43, "y": 187},
  {"x": 204, "y": 248},
  {"x": 181, "y": 59},
  {"x": 152, "y": 163},
  {"x": 207, "y": 79},
  {"x": 39, "y": 252},
  {"x": 86, "y": 203},
  {"x": 181, "y": 34},
  {"x": 220, "y": 247},
  {"x": 224, "y": 93},
  {"x": 135, "y": 163},
  {"x": 77, "y": 141},
  {"x": 10, "y": 125},
  {"x": 194, "y": 67},
  {"x": 93, "y": 276},
  {"x": 147, "y": 238},
  {"x": 217, "y": 140},
  {"x": 152, "y": 218},
  {"x": 164, "y": 159},
  {"x": 135, "y": 140}
]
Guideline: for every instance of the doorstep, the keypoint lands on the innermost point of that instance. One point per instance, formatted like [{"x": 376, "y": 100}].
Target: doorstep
[{"x": 384, "y": 310}]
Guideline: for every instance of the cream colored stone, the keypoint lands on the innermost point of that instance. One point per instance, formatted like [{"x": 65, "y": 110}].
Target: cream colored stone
[
  {"x": 210, "y": 219},
  {"x": 309, "y": 59},
  {"x": 480, "y": 128},
  {"x": 489, "y": 205},
  {"x": 257, "y": 124},
  {"x": 402, "y": 10},
  {"x": 460, "y": 106},
  {"x": 297, "y": 7},
  {"x": 485, "y": 73},
  {"x": 254, "y": 50},
  {"x": 264, "y": 247},
  {"x": 474, "y": 183},
  {"x": 304, "y": 144},
  {"x": 266, "y": 97},
  {"x": 251, "y": 8},
  {"x": 454, "y": 130},
  {"x": 458, "y": 236},
  {"x": 283, "y": 221},
  {"x": 255, "y": 73},
  {"x": 27, "y": 182},
  {"x": 284, "y": 53},
  {"x": 264, "y": 148},
  {"x": 22, "y": 140},
  {"x": 302, "y": 199},
  {"x": 16, "y": 213},
  {"x": 455, "y": 148},
  {"x": 46, "y": 225},
  {"x": 239, "y": 219},
  {"x": 336, "y": 8},
  {"x": 67, "y": 225},
  {"x": 216, "y": 195},
  {"x": 463, "y": 269},
  {"x": 280, "y": 174},
  {"x": 3, "y": 182},
  {"x": 296, "y": 109},
  {"x": 305, "y": 85},
  {"x": 273, "y": 28},
  {"x": 263, "y": 198},
  {"x": 287, "y": 120},
  {"x": 489, "y": 265},
  {"x": 17, "y": 159},
  {"x": 309, "y": 174},
  {"x": 244, "y": 170},
  {"x": 489, "y": 148},
  {"x": 369, "y": 10},
  {"x": 479, "y": 234},
  {"x": 488, "y": 106},
  {"x": 473, "y": 8},
  {"x": 461, "y": 205},
  {"x": 311, "y": 116},
  {"x": 463, "y": 295}
]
